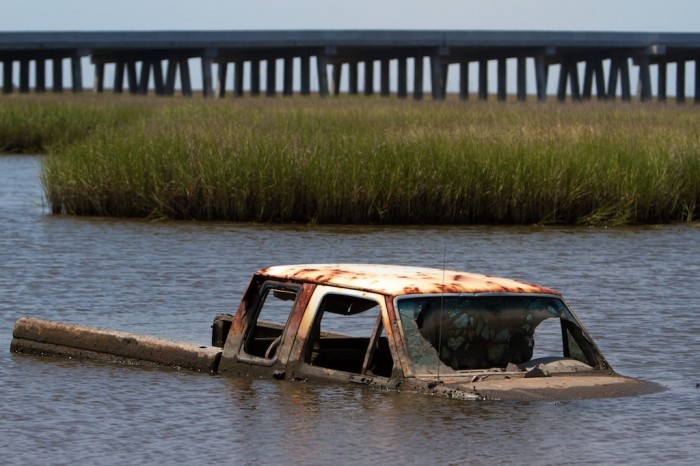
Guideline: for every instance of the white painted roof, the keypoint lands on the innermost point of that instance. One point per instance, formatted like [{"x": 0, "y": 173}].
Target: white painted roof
[{"x": 397, "y": 280}]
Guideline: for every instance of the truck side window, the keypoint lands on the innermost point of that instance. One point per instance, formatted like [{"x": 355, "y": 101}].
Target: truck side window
[
  {"x": 273, "y": 309},
  {"x": 348, "y": 335}
]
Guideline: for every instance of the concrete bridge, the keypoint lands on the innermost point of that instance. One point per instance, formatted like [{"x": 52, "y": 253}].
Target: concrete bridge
[{"x": 589, "y": 63}]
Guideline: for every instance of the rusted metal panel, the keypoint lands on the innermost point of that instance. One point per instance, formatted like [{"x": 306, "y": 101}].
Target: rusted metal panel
[{"x": 399, "y": 280}]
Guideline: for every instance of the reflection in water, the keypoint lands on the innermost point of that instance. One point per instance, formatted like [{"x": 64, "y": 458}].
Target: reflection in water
[{"x": 635, "y": 289}]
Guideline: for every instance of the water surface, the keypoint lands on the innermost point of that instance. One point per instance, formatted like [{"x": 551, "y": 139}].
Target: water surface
[{"x": 637, "y": 290}]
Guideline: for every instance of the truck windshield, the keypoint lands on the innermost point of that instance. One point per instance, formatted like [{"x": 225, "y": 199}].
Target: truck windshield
[{"x": 457, "y": 332}]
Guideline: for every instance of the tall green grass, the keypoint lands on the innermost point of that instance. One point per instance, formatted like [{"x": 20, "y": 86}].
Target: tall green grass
[
  {"x": 372, "y": 160},
  {"x": 30, "y": 124}
]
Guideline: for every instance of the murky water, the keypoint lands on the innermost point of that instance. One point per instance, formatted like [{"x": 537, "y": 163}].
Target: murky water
[{"x": 636, "y": 289}]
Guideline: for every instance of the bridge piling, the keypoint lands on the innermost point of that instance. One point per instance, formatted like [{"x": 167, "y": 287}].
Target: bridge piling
[
  {"x": 541, "y": 77},
  {"x": 438, "y": 78},
  {"x": 483, "y": 79},
  {"x": 661, "y": 92},
  {"x": 238, "y": 74},
  {"x": 697, "y": 81},
  {"x": 207, "y": 78},
  {"x": 24, "y": 76},
  {"x": 305, "y": 75},
  {"x": 271, "y": 84},
  {"x": 77, "y": 74},
  {"x": 369, "y": 77},
  {"x": 221, "y": 70},
  {"x": 288, "y": 77},
  {"x": 186, "y": 83},
  {"x": 57, "y": 73},
  {"x": 402, "y": 78},
  {"x": 418, "y": 78},
  {"x": 337, "y": 76},
  {"x": 7, "y": 70},
  {"x": 353, "y": 84},
  {"x": 501, "y": 79},
  {"x": 255, "y": 77},
  {"x": 521, "y": 79},
  {"x": 322, "y": 70},
  {"x": 137, "y": 56},
  {"x": 644, "y": 79},
  {"x": 99, "y": 80},
  {"x": 40, "y": 75},
  {"x": 384, "y": 90},
  {"x": 680, "y": 81}
]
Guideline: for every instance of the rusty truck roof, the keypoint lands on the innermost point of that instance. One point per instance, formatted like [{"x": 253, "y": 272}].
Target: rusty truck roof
[{"x": 398, "y": 280}]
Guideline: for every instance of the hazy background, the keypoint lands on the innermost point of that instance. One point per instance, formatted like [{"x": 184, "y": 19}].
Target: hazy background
[{"x": 594, "y": 15}]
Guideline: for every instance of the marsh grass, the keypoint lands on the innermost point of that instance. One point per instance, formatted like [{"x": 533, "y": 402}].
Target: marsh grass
[{"x": 369, "y": 160}]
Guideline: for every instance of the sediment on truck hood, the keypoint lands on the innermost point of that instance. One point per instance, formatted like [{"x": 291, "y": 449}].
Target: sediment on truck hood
[{"x": 39, "y": 336}]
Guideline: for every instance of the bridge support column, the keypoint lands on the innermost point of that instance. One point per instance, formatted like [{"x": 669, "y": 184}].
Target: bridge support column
[
  {"x": 402, "y": 87},
  {"x": 118, "y": 86},
  {"x": 145, "y": 76},
  {"x": 170, "y": 74},
  {"x": 625, "y": 79},
  {"x": 483, "y": 79},
  {"x": 501, "y": 80},
  {"x": 522, "y": 79},
  {"x": 438, "y": 78},
  {"x": 57, "y": 74},
  {"x": 369, "y": 77},
  {"x": 384, "y": 81},
  {"x": 569, "y": 72},
  {"x": 271, "y": 85},
  {"x": 184, "y": 65},
  {"x": 600, "y": 90},
  {"x": 99, "y": 82},
  {"x": 207, "y": 78},
  {"x": 418, "y": 78},
  {"x": 7, "y": 76},
  {"x": 221, "y": 71},
  {"x": 322, "y": 65},
  {"x": 288, "y": 77},
  {"x": 24, "y": 76},
  {"x": 587, "y": 81},
  {"x": 131, "y": 77},
  {"x": 464, "y": 80},
  {"x": 541, "y": 78},
  {"x": 158, "y": 77},
  {"x": 337, "y": 75},
  {"x": 255, "y": 77},
  {"x": 40, "y": 72},
  {"x": 644, "y": 79},
  {"x": 353, "y": 87},
  {"x": 662, "y": 82},
  {"x": 77, "y": 74},
  {"x": 238, "y": 74},
  {"x": 680, "y": 82},
  {"x": 697, "y": 81},
  {"x": 594, "y": 69},
  {"x": 612, "y": 78},
  {"x": 619, "y": 65},
  {"x": 305, "y": 75}
]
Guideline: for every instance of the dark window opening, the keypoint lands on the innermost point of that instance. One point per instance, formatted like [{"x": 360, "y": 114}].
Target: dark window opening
[
  {"x": 348, "y": 335},
  {"x": 272, "y": 311}
]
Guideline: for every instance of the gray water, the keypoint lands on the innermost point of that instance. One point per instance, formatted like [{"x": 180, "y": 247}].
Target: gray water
[{"x": 636, "y": 289}]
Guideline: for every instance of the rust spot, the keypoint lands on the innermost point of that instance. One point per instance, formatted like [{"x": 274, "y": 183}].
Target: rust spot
[{"x": 396, "y": 280}]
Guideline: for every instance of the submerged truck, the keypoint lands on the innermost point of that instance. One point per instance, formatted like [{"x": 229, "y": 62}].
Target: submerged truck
[{"x": 410, "y": 329}]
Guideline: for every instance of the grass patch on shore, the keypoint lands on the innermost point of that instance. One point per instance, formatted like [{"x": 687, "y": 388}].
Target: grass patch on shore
[{"x": 364, "y": 160}]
